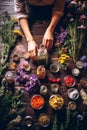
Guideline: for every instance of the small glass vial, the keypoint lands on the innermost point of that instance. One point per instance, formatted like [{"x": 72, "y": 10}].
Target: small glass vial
[
  {"x": 42, "y": 55},
  {"x": 9, "y": 77},
  {"x": 41, "y": 72},
  {"x": 43, "y": 90},
  {"x": 54, "y": 88}
]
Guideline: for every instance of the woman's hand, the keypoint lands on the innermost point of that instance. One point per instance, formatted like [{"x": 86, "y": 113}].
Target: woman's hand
[
  {"x": 48, "y": 39},
  {"x": 32, "y": 49}
]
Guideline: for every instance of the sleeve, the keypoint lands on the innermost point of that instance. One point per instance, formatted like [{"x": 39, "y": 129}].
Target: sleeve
[
  {"x": 20, "y": 8},
  {"x": 59, "y": 7}
]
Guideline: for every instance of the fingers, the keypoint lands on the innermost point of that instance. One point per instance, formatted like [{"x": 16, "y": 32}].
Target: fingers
[
  {"x": 33, "y": 54},
  {"x": 48, "y": 44},
  {"x": 32, "y": 49}
]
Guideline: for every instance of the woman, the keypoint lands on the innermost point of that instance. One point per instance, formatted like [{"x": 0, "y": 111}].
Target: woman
[{"x": 52, "y": 8}]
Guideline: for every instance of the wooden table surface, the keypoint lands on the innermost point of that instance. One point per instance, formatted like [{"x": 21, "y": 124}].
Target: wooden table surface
[
  {"x": 38, "y": 30},
  {"x": 62, "y": 88}
]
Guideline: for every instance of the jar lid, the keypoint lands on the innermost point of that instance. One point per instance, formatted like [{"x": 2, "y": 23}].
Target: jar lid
[
  {"x": 75, "y": 71},
  {"x": 79, "y": 64}
]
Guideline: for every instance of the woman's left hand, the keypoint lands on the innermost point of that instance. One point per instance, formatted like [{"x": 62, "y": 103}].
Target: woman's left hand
[{"x": 48, "y": 39}]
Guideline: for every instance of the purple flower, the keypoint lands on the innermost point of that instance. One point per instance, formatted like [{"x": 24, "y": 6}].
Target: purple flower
[
  {"x": 83, "y": 58},
  {"x": 60, "y": 37},
  {"x": 85, "y": 65}
]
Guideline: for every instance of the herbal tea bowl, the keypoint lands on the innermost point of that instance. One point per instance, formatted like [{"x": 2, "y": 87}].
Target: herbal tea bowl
[
  {"x": 37, "y": 101},
  {"x": 44, "y": 120},
  {"x": 54, "y": 67}
]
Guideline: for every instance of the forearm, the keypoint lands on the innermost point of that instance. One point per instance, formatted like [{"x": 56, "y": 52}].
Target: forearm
[
  {"x": 25, "y": 27},
  {"x": 54, "y": 21}
]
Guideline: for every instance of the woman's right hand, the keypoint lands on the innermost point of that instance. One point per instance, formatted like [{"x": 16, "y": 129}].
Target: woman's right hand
[{"x": 32, "y": 49}]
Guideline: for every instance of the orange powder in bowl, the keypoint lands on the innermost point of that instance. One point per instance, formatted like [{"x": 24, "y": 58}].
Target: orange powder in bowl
[{"x": 37, "y": 101}]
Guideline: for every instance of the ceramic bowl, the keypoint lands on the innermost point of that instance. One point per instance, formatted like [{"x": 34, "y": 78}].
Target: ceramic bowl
[
  {"x": 37, "y": 101},
  {"x": 56, "y": 101},
  {"x": 72, "y": 105},
  {"x": 69, "y": 81},
  {"x": 54, "y": 67},
  {"x": 79, "y": 64},
  {"x": 44, "y": 120},
  {"x": 75, "y": 72},
  {"x": 73, "y": 93}
]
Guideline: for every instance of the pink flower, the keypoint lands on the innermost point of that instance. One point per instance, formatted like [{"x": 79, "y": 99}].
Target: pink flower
[{"x": 81, "y": 27}]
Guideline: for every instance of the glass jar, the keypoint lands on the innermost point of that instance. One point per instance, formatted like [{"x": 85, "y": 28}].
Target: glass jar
[
  {"x": 9, "y": 77},
  {"x": 42, "y": 55},
  {"x": 41, "y": 72},
  {"x": 43, "y": 90}
]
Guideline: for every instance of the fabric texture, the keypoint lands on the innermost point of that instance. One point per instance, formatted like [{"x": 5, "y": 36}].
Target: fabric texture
[{"x": 22, "y": 6}]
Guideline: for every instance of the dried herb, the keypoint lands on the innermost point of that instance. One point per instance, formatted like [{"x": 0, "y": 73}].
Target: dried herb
[
  {"x": 68, "y": 116},
  {"x": 55, "y": 122},
  {"x": 7, "y": 38},
  {"x": 10, "y": 108}
]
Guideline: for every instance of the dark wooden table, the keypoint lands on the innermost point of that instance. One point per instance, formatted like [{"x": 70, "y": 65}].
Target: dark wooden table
[
  {"x": 41, "y": 26},
  {"x": 38, "y": 30}
]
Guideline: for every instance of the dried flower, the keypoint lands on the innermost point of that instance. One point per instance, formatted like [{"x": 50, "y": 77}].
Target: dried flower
[
  {"x": 17, "y": 32},
  {"x": 63, "y": 60}
]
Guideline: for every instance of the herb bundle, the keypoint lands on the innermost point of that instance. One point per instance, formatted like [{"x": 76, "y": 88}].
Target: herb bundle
[{"x": 7, "y": 38}]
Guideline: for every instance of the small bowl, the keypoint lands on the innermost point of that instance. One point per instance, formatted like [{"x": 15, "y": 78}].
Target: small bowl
[
  {"x": 73, "y": 93},
  {"x": 69, "y": 81},
  {"x": 44, "y": 120},
  {"x": 56, "y": 101},
  {"x": 54, "y": 67},
  {"x": 37, "y": 102},
  {"x": 54, "y": 88},
  {"x": 43, "y": 90},
  {"x": 16, "y": 58},
  {"x": 27, "y": 67},
  {"x": 13, "y": 66},
  {"x": 79, "y": 64},
  {"x": 72, "y": 105},
  {"x": 75, "y": 72},
  {"x": 28, "y": 121}
]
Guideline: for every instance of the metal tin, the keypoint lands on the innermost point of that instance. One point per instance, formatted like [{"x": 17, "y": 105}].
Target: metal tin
[
  {"x": 75, "y": 72},
  {"x": 73, "y": 93},
  {"x": 79, "y": 64}
]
